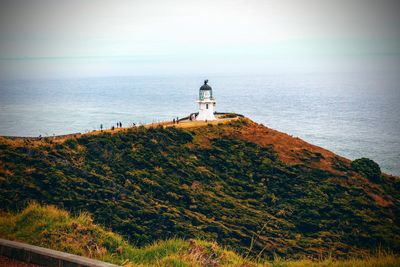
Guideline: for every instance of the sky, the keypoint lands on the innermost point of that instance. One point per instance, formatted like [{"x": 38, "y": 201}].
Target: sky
[{"x": 89, "y": 38}]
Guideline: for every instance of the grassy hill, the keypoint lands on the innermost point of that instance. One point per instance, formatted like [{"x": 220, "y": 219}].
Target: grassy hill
[
  {"x": 248, "y": 187},
  {"x": 51, "y": 227}
]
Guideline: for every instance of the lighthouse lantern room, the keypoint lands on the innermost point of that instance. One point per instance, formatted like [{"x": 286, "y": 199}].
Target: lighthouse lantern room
[{"x": 206, "y": 103}]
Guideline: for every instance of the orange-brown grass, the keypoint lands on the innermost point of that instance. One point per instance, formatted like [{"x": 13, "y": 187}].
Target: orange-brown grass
[{"x": 289, "y": 148}]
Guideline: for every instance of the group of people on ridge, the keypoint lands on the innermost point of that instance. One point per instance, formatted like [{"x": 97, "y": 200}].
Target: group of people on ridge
[{"x": 119, "y": 125}]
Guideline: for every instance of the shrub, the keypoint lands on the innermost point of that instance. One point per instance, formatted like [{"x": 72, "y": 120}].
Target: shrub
[
  {"x": 72, "y": 143},
  {"x": 367, "y": 167}
]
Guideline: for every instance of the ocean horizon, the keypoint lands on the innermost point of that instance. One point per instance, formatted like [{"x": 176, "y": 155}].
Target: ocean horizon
[{"x": 352, "y": 114}]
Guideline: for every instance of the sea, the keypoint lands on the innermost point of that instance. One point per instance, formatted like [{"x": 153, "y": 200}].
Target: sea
[{"x": 352, "y": 114}]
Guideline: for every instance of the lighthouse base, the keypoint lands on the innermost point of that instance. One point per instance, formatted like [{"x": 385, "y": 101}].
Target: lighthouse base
[
  {"x": 206, "y": 111},
  {"x": 205, "y": 117}
]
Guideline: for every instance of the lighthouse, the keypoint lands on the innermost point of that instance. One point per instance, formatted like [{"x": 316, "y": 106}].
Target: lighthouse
[{"x": 206, "y": 103}]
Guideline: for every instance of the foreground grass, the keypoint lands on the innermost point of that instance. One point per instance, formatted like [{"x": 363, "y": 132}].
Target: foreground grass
[{"x": 50, "y": 227}]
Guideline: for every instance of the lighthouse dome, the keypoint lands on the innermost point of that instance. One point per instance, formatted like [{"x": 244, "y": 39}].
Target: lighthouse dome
[
  {"x": 205, "y": 91},
  {"x": 205, "y": 86}
]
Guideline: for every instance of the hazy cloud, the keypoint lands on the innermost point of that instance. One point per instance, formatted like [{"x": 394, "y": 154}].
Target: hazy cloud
[{"x": 101, "y": 37}]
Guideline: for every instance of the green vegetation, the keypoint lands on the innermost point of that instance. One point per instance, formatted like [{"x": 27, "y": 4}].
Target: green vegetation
[
  {"x": 367, "y": 168},
  {"x": 50, "y": 227},
  {"x": 205, "y": 183}
]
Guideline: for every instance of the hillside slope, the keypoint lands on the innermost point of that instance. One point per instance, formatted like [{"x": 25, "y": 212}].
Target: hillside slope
[
  {"x": 246, "y": 186},
  {"x": 50, "y": 227}
]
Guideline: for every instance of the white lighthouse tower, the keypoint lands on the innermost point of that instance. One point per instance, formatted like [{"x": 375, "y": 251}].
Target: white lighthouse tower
[{"x": 206, "y": 103}]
